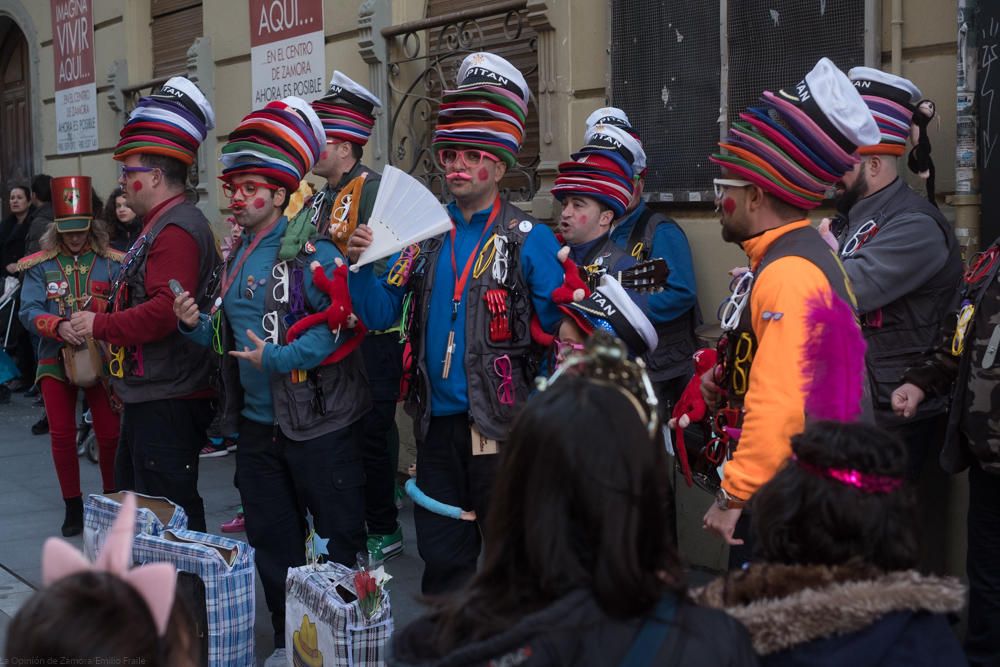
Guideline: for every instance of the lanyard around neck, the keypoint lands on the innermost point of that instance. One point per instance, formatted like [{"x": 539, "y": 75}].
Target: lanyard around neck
[
  {"x": 227, "y": 279},
  {"x": 461, "y": 280}
]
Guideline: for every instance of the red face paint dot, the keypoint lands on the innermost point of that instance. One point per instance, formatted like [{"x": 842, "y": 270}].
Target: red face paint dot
[
  {"x": 136, "y": 186},
  {"x": 728, "y": 205},
  {"x": 323, "y": 155},
  {"x": 483, "y": 174},
  {"x": 258, "y": 202}
]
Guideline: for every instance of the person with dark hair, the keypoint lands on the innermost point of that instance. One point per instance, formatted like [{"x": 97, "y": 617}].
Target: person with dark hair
[
  {"x": 13, "y": 232},
  {"x": 594, "y": 187},
  {"x": 347, "y": 112},
  {"x": 122, "y": 222},
  {"x": 965, "y": 368},
  {"x": 293, "y": 394},
  {"x": 758, "y": 385},
  {"x": 41, "y": 199},
  {"x": 580, "y": 568},
  {"x": 902, "y": 257},
  {"x": 161, "y": 377},
  {"x": 834, "y": 579},
  {"x": 103, "y": 611},
  {"x": 72, "y": 273}
]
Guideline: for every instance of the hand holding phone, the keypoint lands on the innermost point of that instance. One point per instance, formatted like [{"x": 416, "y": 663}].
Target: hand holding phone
[{"x": 185, "y": 307}]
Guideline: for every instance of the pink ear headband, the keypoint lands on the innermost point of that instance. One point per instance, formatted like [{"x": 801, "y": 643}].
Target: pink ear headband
[
  {"x": 864, "y": 481},
  {"x": 155, "y": 582}
]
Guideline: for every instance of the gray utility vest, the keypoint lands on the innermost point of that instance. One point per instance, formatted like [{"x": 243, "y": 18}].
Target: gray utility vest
[
  {"x": 174, "y": 366},
  {"x": 331, "y": 398},
  {"x": 677, "y": 341},
  {"x": 491, "y": 417},
  {"x": 910, "y": 326},
  {"x": 804, "y": 243}
]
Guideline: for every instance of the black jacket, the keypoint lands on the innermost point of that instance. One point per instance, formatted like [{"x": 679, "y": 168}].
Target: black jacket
[
  {"x": 575, "y": 632},
  {"x": 12, "y": 240}
]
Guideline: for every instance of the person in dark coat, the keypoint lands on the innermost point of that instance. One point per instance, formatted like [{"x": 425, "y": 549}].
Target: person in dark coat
[
  {"x": 13, "y": 231},
  {"x": 122, "y": 222},
  {"x": 836, "y": 538},
  {"x": 41, "y": 199},
  {"x": 580, "y": 559}
]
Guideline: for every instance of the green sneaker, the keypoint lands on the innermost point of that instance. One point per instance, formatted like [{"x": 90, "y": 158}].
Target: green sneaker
[{"x": 384, "y": 547}]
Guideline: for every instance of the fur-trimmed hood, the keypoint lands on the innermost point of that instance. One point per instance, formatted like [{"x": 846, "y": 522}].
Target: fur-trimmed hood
[{"x": 784, "y": 606}]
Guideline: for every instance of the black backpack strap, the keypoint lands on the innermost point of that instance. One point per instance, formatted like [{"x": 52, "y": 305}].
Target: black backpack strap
[
  {"x": 637, "y": 246},
  {"x": 652, "y": 635}
]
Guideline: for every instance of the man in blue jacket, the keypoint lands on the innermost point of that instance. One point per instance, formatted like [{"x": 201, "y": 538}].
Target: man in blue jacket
[
  {"x": 472, "y": 295},
  {"x": 296, "y": 413},
  {"x": 645, "y": 234}
]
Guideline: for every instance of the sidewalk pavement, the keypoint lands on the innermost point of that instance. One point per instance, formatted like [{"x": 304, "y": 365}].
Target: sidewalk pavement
[{"x": 31, "y": 510}]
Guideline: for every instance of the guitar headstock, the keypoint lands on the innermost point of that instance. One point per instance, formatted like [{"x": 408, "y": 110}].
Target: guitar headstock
[{"x": 648, "y": 276}]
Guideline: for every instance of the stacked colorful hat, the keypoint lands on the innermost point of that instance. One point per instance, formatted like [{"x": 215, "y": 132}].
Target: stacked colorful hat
[
  {"x": 798, "y": 143},
  {"x": 616, "y": 117},
  {"x": 72, "y": 205},
  {"x": 281, "y": 142},
  {"x": 487, "y": 111},
  {"x": 610, "y": 308},
  {"x": 601, "y": 173},
  {"x": 172, "y": 122},
  {"x": 892, "y": 101},
  {"x": 347, "y": 110}
]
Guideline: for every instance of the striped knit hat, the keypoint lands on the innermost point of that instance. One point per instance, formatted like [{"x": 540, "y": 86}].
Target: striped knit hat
[
  {"x": 892, "y": 101},
  {"x": 281, "y": 142},
  {"x": 487, "y": 110},
  {"x": 172, "y": 122},
  {"x": 600, "y": 172},
  {"x": 618, "y": 118},
  {"x": 347, "y": 110},
  {"x": 798, "y": 143}
]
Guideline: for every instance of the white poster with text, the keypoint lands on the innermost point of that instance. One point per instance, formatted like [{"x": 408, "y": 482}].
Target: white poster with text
[{"x": 286, "y": 50}]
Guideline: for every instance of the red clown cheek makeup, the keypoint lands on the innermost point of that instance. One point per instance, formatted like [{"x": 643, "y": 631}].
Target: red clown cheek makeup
[
  {"x": 483, "y": 174},
  {"x": 728, "y": 205},
  {"x": 258, "y": 203},
  {"x": 136, "y": 186},
  {"x": 323, "y": 155}
]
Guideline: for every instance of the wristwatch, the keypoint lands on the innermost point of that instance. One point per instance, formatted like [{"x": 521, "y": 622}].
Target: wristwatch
[{"x": 724, "y": 501}]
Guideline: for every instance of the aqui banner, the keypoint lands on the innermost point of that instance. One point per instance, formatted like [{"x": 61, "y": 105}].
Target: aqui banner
[
  {"x": 286, "y": 50},
  {"x": 75, "y": 84}
]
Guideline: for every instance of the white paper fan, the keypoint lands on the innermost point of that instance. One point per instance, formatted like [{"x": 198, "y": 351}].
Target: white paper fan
[{"x": 405, "y": 212}]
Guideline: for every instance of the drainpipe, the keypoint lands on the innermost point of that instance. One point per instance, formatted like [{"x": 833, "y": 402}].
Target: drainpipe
[
  {"x": 966, "y": 198},
  {"x": 897, "y": 37}
]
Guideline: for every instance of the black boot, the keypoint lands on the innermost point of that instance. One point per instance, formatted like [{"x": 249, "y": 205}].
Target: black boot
[
  {"x": 73, "y": 525},
  {"x": 41, "y": 427}
]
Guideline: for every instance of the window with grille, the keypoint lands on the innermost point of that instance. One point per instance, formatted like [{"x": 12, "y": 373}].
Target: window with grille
[{"x": 681, "y": 84}]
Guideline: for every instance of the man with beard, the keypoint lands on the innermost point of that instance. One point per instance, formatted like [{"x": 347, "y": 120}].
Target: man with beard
[
  {"x": 295, "y": 401},
  {"x": 902, "y": 258},
  {"x": 773, "y": 173},
  {"x": 472, "y": 294}
]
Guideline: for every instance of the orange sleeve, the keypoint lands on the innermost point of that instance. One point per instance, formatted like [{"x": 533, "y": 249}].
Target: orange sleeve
[{"x": 775, "y": 402}]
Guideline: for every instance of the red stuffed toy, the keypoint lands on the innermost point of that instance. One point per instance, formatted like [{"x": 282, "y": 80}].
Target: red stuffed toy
[
  {"x": 691, "y": 407},
  {"x": 339, "y": 315},
  {"x": 572, "y": 289}
]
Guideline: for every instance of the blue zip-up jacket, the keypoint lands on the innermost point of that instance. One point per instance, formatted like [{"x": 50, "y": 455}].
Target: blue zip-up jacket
[
  {"x": 379, "y": 304},
  {"x": 307, "y": 351},
  {"x": 670, "y": 244}
]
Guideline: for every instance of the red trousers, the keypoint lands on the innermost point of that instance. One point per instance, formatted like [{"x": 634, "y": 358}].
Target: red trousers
[{"x": 60, "y": 406}]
